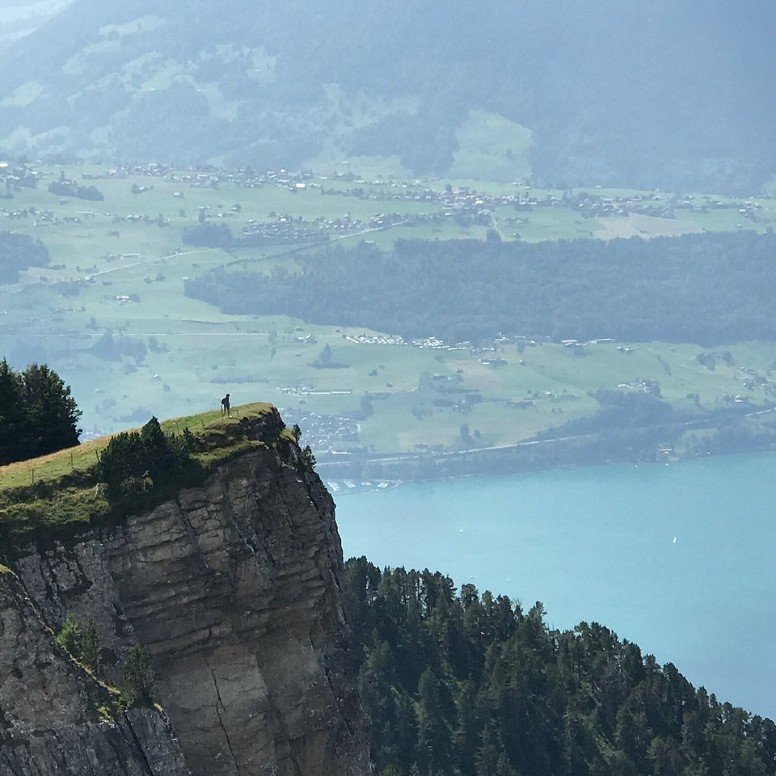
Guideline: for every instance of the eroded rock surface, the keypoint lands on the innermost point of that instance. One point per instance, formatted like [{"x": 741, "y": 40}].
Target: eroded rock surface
[
  {"x": 50, "y": 708},
  {"x": 234, "y": 588}
]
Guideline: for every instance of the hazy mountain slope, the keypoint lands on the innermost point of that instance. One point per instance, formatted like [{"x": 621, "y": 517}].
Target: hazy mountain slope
[
  {"x": 644, "y": 93},
  {"x": 22, "y": 17}
]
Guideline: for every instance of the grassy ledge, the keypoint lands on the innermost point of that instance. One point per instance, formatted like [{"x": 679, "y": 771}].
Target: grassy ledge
[{"x": 59, "y": 494}]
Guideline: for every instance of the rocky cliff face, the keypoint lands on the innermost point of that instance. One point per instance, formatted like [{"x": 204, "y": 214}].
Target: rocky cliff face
[
  {"x": 234, "y": 588},
  {"x": 52, "y": 711}
]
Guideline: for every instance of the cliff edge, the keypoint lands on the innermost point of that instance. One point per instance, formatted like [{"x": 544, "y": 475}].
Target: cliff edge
[{"x": 233, "y": 586}]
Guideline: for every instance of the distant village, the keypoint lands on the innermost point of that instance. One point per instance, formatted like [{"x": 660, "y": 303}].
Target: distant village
[{"x": 465, "y": 205}]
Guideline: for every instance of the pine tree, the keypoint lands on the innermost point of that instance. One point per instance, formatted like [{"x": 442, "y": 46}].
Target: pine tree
[
  {"x": 159, "y": 456},
  {"x": 434, "y": 738},
  {"x": 137, "y": 677},
  {"x": 486, "y": 759},
  {"x": 12, "y": 420},
  {"x": 50, "y": 412}
]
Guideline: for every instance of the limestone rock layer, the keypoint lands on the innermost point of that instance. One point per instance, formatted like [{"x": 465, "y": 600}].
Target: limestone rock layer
[
  {"x": 50, "y": 708},
  {"x": 234, "y": 588}
]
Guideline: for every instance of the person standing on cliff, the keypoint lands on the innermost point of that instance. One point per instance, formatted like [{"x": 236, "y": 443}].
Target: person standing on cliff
[{"x": 225, "y": 405}]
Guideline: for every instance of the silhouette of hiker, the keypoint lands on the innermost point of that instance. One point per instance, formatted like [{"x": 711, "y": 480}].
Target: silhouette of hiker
[{"x": 225, "y": 406}]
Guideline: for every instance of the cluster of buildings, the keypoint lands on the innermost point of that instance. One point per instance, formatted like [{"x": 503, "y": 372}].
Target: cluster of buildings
[
  {"x": 324, "y": 433},
  {"x": 286, "y": 228},
  {"x": 375, "y": 339},
  {"x": 593, "y": 206},
  {"x": 210, "y": 176},
  {"x": 646, "y": 385},
  {"x": 475, "y": 207}
]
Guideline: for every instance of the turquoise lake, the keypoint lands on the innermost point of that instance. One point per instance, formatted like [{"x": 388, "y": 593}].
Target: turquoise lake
[{"x": 678, "y": 558}]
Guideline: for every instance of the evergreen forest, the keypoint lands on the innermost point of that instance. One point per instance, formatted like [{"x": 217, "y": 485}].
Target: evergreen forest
[
  {"x": 19, "y": 252},
  {"x": 706, "y": 289},
  {"x": 469, "y": 684}
]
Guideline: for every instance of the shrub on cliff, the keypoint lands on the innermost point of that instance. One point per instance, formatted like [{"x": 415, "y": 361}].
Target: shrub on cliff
[
  {"x": 137, "y": 677},
  {"x": 67, "y": 638},
  {"x": 83, "y": 643},
  {"x": 307, "y": 457},
  {"x": 91, "y": 651},
  {"x": 134, "y": 462}
]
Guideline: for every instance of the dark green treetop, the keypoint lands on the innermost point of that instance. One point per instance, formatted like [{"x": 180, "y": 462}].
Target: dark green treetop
[
  {"x": 38, "y": 414},
  {"x": 470, "y": 684}
]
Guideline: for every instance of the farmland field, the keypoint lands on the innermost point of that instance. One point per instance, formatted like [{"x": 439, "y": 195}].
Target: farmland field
[{"x": 109, "y": 312}]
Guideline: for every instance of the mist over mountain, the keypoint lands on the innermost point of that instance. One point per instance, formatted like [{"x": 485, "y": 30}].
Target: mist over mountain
[{"x": 648, "y": 94}]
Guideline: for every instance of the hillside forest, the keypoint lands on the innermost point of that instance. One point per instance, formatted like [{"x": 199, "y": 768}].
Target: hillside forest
[
  {"x": 458, "y": 683},
  {"x": 706, "y": 289}
]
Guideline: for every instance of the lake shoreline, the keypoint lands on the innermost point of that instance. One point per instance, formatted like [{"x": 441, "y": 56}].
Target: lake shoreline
[{"x": 654, "y": 444}]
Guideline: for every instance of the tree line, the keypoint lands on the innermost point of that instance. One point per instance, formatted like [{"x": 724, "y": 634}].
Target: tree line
[
  {"x": 470, "y": 684},
  {"x": 38, "y": 414},
  {"x": 706, "y": 289},
  {"x": 19, "y": 252},
  {"x": 68, "y": 188}
]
